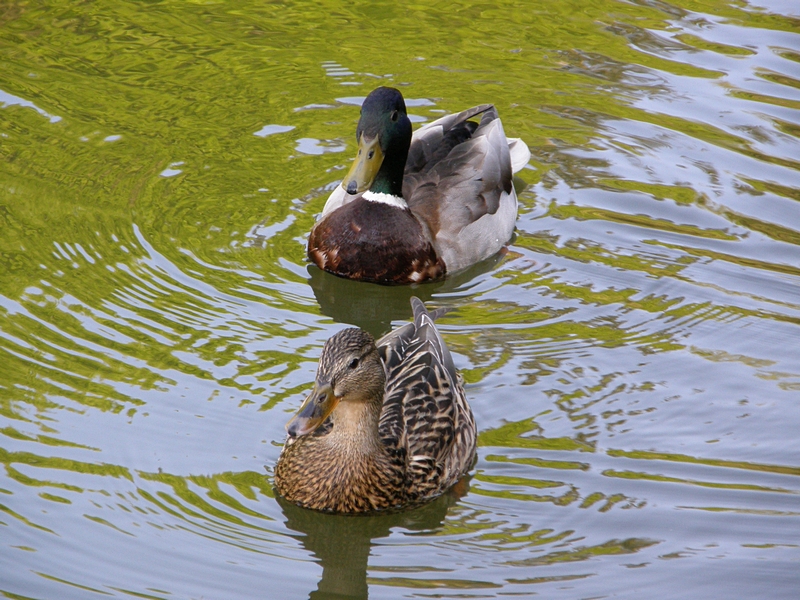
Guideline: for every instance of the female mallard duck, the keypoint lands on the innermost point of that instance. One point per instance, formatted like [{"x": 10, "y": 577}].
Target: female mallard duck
[
  {"x": 386, "y": 426},
  {"x": 414, "y": 208}
]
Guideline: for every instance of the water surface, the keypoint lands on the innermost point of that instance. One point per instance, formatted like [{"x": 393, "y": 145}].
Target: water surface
[{"x": 632, "y": 359}]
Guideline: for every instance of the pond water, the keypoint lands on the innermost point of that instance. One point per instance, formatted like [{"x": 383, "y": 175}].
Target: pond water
[{"x": 632, "y": 359}]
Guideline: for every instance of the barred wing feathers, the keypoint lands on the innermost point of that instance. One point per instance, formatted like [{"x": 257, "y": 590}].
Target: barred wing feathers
[{"x": 426, "y": 421}]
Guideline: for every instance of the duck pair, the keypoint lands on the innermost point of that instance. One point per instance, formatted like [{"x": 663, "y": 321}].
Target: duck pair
[{"x": 387, "y": 424}]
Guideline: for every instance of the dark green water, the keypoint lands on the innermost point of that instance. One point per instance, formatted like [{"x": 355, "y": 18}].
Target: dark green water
[{"x": 632, "y": 361}]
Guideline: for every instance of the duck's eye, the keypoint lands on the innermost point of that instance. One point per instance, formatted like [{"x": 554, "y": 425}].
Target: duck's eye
[
  {"x": 353, "y": 364},
  {"x": 395, "y": 116}
]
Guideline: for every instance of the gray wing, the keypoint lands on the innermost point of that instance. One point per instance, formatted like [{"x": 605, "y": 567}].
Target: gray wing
[
  {"x": 471, "y": 160},
  {"x": 462, "y": 186}
]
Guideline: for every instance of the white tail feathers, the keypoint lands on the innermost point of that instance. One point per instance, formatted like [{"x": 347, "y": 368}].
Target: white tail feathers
[{"x": 520, "y": 154}]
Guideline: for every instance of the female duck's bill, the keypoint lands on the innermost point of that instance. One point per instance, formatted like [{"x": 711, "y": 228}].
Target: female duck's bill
[
  {"x": 317, "y": 407},
  {"x": 416, "y": 207}
]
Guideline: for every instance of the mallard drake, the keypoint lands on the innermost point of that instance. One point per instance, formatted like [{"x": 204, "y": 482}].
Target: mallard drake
[
  {"x": 386, "y": 426},
  {"x": 417, "y": 207}
]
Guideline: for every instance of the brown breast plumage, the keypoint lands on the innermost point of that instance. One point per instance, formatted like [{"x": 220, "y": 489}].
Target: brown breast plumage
[{"x": 376, "y": 242}]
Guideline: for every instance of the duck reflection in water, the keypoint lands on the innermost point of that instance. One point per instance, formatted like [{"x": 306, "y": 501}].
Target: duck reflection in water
[
  {"x": 373, "y": 307},
  {"x": 342, "y": 543}
]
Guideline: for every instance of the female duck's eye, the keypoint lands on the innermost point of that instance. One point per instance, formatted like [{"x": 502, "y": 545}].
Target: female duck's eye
[
  {"x": 353, "y": 364},
  {"x": 395, "y": 116}
]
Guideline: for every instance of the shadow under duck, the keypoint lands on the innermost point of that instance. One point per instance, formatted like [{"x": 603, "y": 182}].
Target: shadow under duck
[
  {"x": 417, "y": 207},
  {"x": 387, "y": 425}
]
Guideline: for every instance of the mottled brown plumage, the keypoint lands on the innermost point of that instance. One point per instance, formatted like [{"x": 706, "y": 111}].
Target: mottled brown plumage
[{"x": 387, "y": 425}]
